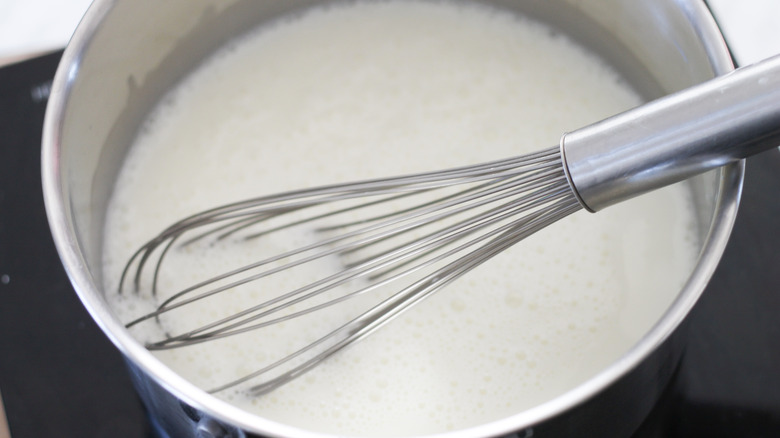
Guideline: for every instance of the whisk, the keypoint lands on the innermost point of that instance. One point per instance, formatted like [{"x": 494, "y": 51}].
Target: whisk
[{"x": 415, "y": 234}]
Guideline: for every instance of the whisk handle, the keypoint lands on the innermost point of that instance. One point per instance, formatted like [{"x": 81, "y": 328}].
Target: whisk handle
[{"x": 676, "y": 137}]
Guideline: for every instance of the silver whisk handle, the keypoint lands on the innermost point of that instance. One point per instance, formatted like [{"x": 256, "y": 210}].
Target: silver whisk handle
[{"x": 676, "y": 137}]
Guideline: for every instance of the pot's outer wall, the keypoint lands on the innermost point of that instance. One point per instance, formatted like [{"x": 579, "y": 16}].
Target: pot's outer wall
[{"x": 111, "y": 75}]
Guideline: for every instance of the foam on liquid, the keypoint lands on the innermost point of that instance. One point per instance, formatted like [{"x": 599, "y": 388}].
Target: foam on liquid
[{"x": 376, "y": 89}]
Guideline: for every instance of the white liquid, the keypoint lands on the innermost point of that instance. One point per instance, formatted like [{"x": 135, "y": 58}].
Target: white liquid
[{"x": 371, "y": 89}]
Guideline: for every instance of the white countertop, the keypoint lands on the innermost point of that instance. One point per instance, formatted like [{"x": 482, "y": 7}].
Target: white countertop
[
  {"x": 34, "y": 26},
  {"x": 752, "y": 27}
]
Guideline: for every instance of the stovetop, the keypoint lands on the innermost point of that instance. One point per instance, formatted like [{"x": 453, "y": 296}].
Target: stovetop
[{"x": 60, "y": 376}]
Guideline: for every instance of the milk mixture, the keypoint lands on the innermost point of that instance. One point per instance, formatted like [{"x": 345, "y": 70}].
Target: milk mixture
[{"x": 369, "y": 89}]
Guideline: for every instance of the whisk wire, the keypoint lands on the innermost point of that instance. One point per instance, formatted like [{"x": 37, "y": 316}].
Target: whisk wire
[
  {"x": 434, "y": 241},
  {"x": 383, "y": 313},
  {"x": 523, "y": 183},
  {"x": 484, "y": 209},
  {"x": 372, "y": 264}
]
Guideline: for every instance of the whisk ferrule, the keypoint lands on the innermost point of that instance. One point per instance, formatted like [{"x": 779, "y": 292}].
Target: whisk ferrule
[{"x": 676, "y": 137}]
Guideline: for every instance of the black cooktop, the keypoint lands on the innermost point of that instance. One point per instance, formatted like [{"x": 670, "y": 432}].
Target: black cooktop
[{"x": 60, "y": 376}]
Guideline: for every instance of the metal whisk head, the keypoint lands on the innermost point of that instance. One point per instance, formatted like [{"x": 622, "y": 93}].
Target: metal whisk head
[{"x": 409, "y": 235}]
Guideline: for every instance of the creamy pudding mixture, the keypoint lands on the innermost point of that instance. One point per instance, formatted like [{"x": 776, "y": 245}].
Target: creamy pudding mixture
[{"x": 370, "y": 89}]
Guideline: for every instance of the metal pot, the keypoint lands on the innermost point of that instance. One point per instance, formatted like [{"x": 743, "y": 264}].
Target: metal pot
[{"x": 127, "y": 53}]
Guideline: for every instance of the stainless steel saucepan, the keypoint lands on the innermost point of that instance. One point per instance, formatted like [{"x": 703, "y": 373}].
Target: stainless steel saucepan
[{"x": 127, "y": 53}]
